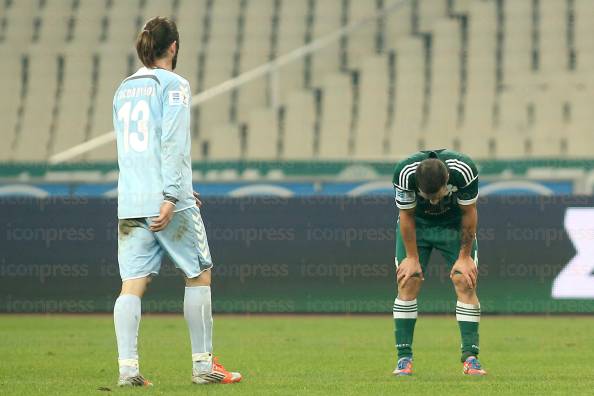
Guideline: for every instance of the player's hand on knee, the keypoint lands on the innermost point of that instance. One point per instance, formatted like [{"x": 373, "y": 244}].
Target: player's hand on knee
[
  {"x": 165, "y": 216},
  {"x": 467, "y": 269},
  {"x": 410, "y": 267}
]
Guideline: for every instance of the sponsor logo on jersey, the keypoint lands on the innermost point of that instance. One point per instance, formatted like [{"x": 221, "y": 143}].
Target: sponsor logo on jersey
[
  {"x": 179, "y": 98},
  {"x": 451, "y": 189}
]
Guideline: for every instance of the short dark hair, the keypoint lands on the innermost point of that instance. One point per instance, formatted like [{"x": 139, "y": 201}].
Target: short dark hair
[
  {"x": 154, "y": 40},
  {"x": 432, "y": 175}
]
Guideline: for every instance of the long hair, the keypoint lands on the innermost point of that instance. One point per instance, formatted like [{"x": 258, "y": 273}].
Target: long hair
[{"x": 154, "y": 40}]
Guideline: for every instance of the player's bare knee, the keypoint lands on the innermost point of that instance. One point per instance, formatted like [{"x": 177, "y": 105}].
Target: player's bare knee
[
  {"x": 136, "y": 287},
  {"x": 203, "y": 279},
  {"x": 411, "y": 290},
  {"x": 460, "y": 284}
]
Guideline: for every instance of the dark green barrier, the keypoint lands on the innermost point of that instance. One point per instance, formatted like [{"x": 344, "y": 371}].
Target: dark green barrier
[
  {"x": 285, "y": 255},
  {"x": 298, "y": 169}
]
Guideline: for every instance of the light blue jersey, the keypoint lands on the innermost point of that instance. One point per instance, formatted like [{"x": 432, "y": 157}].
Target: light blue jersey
[{"x": 151, "y": 118}]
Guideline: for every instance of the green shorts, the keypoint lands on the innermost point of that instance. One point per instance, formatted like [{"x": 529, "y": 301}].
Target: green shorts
[{"x": 444, "y": 239}]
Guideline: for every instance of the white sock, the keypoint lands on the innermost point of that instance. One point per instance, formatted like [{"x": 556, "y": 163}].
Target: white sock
[
  {"x": 468, "y": 312},
  {"x": 198, "y": 314},
  {"x": 405, "y": 309},
  {"x": 126, "y": 318}
]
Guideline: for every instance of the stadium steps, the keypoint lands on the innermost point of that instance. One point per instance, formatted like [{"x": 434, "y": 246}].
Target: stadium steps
[
  {"x": 481, "y": 73},
  {"x": 337, "y": 104},
  {"x": 113, "y": 65},
  {"x": 10, "y": 104},
  {"x": 41, "y": 87},
  {"x": 256, "y": 49},
  {"x": 501, "y": 78},
  {"x": 405, "y": 133},
  {"x": 262, "y": 140},
  {"x": 75, "y": 103},
  {"x": 299, "y": 119},
  {"x": 370, "y": 140}
]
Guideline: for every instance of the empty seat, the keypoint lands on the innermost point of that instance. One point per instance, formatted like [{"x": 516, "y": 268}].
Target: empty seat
[
  {"x": 292, "y": 27},
  {"x": 445, "y": 84},
  {"x": 370, "y": 136},
  {"x": 34, "y": 134},
  {"x": 18, "y": 31},
  {"x": 327, "y": 20},
  {"x": 430, "y": 11},
  {"x": 362, "y": 43},
  {"x": 157, "y": 8},
  {"x": 191, "y": 25},
  {"x": 405, "y": 135},
  {"x": 553, "y": 49},
  {"x": 475, "y": 135},
  {"x": 88, "y": 23},
  {"x": 300, "y": 119},
  {"x": 54, "y": 19},
  {"x": 219, "y": 62},
  {"x": 337, "y": 101},
  {"x": 547, "y": 132},
  {"x": 262, "y": 135},
  {"x": 190, "y": 22},
  {"x": 113, "y": 68},
  {"x": 11, "y": 64},
  {"x": 75, "y": 103},
  {"x": 518, "y": 44},
  {"x": 256, "y": 51},
  {"x": 125, "y": 22},
  {"x": 580, "y": 132},
  {"x": 187, "y": 66},
  {"x": 224, "y": 142},
  {"x": 584, "y": 31},
  {"x": 511, "y": 134},
  {"x": 398, "y": 24},
  {"x": 462, "y": 6}
]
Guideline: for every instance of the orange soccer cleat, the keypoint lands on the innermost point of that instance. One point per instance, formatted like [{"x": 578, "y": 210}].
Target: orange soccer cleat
[
  {"x": 217, "y": 375},
  {"x": 472, "y": 366},
  {"x": 404, "y": 367}
]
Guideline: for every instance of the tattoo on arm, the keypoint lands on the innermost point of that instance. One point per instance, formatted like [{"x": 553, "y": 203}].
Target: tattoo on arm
[
  {"x": 468, "y": 230},
  {"x": 466, "y": 239}
]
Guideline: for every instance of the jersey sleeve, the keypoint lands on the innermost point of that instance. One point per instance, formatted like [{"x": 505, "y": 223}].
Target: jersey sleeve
[
  {"x": 405, "y": 195},
  {"x": 468, "y": 187},
  {"x": 175, "y": 129}
]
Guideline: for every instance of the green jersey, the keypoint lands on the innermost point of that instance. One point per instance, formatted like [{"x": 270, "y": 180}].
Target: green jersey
[{"x": 462, "y": 186}]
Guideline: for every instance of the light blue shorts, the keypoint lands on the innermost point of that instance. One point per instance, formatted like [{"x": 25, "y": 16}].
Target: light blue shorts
[{"x": 140, "y": 251}]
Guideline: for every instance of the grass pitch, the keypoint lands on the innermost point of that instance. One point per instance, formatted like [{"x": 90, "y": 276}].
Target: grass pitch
[{"x": 309, "y": 355}]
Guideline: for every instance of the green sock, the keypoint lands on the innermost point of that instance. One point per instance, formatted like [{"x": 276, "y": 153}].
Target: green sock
[
  {"x": 468, "y": 317},
  {"x": 405, "y": 317}
]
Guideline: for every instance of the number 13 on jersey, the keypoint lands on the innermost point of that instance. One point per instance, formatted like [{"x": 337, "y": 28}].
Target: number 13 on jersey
[{"x": 135, "y": 138}]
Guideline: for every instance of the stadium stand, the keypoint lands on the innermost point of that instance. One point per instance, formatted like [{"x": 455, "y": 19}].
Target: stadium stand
[{"x": 494, "y": 78}]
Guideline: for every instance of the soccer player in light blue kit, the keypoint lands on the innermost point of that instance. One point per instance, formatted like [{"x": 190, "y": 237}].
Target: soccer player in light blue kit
[{"x": 157, "y": 209}]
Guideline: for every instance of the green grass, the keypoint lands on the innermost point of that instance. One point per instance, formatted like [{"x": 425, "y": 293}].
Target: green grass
[{"x": 287, "y": 355}]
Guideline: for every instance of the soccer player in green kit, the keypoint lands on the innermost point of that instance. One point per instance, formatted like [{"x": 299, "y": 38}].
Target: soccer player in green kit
[{"x": 436, "y": 193}]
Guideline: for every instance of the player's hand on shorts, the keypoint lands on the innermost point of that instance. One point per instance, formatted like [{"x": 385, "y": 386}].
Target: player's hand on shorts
[
  {"x": 197, "y": 198},
  {"x": 408, "y": 268},
  {"x": 165, "y": 215},
  {"x": 466, "y": 267}
]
